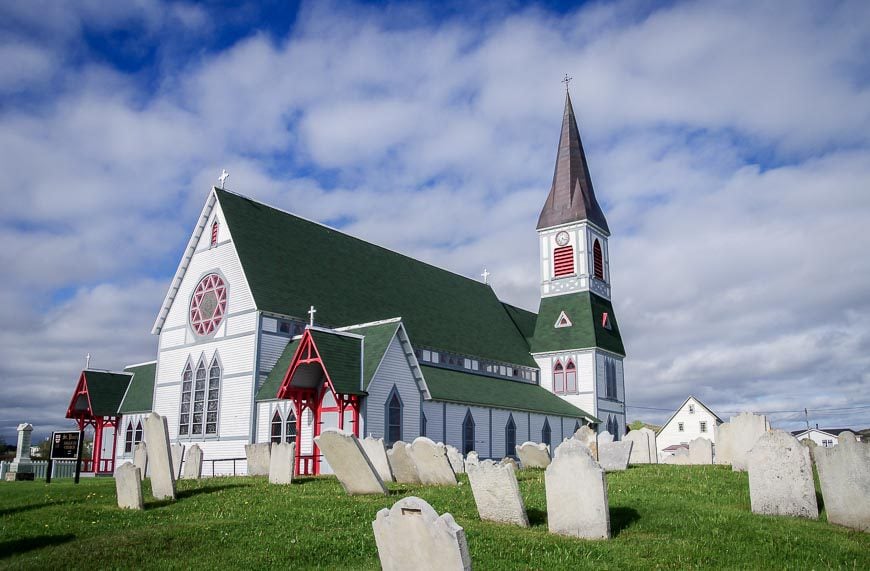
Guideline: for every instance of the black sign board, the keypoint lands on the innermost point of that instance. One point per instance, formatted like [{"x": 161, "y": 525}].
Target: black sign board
[{"x": 64, "y": 445}]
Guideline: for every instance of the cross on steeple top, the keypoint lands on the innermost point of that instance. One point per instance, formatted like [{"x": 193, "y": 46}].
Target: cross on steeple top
[
  {"x": 566, "y": 81},
  {"x": 88, "y": 361},
  {"x": 485, "y": 275},
  {"x": 223, "y": 177},
  {"x": 311, "y": 313}
]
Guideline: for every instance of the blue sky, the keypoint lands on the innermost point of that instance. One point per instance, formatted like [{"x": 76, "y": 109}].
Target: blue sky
[{"x": 728, "y": 143}]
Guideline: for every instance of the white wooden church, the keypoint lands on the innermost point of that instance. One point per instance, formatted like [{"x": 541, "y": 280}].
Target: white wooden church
[{"x": 275, "y": 327}]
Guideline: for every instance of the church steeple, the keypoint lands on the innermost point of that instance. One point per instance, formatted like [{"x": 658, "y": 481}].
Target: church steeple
[{"x": 571, "y": 197}]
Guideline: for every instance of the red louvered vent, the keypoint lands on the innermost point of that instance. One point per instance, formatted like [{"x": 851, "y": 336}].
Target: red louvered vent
[
  {"x": 563, "y": 261},
  {"x": 597, "y": 261},
  {"x": 214, "y": 233}
]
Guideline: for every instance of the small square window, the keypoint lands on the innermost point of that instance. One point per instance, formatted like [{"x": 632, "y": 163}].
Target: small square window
[
  {"x": 691, "y": 409},
  {"x": 284, "y": 327},
  {"x": 703, "y": 426},
  {"x": 680, "y": 426},
  {"x": 427, "y": 355}
]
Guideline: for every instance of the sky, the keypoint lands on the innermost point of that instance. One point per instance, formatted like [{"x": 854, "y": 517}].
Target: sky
[{"x": 728, "y": 142}]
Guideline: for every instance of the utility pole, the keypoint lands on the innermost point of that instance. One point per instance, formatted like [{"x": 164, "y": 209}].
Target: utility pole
[{"x": 807, "y": 418}]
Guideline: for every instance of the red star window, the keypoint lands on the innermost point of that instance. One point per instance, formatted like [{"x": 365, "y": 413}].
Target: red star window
[{"x": 208, "y": 304}]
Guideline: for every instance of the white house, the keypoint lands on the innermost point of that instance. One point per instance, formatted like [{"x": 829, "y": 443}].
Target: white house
[
  {"x": 826, "y": 437},
  {"x": 691, "y": 420}
]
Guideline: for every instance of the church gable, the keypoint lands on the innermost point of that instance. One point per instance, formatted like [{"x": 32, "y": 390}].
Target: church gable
[
  {"x": 98, "y": 394},
  {"x": 593, "y": 324}
]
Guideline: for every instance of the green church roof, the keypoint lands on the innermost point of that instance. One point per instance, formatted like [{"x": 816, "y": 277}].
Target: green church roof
[
  {"x": 466, "y": 388},
  {"x": 377, "y": 341},
  {"x": 291, "y": 263},
  {"x": 341, "y": 356},
  {"x": 140, "y": 392},
  {"x": 585, "y": 310},
  {"x": 105, "y": 391}
]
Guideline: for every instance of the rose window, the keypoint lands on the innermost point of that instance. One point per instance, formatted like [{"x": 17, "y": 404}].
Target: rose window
[{"x": 208, "y": 305}]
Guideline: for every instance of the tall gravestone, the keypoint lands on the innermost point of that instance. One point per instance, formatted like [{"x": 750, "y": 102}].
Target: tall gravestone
[
  {"x": 533, "y": 455},
  {"x": 614, "y": 456},
  {"x": 411, "y": 535},
  {"x": 736, "y": 438},
  {"x": 589, "y": 438},
  {"x": 433, "y": 466},
  {"x": 281, "y": 463},
  {"x": 258, "y": 458},
  {"x": 159, "y": 457},
  {"x": 700, "y": 451},
  {"x": 401, "y": 464},
  {"x": 177, "y": 457},
  {"x": 128, "y": 487},
  {"x": 454, "y": 456},
  {"x": 193, "y": 463},
  {"x": 349, "y": 462},
  {"x": 640, "y": 447},
  {"x": 22, "y": 466},
  {"x": 652, "y": 444},
  {"x": 781, "y": 477},
  {"x": 497, "y": 493},
  {"x": 844, "y": 474},
  {"x": 377, "y": 453},
  {"x": 140, "y": 458},
  {"x": 576, "y": 490}
]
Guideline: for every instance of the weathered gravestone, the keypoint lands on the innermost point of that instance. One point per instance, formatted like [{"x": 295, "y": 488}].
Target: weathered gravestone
[
  {"x": 508, "y": 461},
  {"x": 377, "y": 453},
  {"x": 640, "y": 447},
  {"x": 605, "y": 437},
  {"x": 652, "y": 444},
  {"x": 281, "y": 463},
  {"x": 349, "y": 462},
  {"x": 844, "y": 473},
  {"x": 811, "y": 446},
  {"x": 472, "y": 458},
  {"x": 433, "y": 466},
  {"x": 258, "y": 456},
  {"x": 736, "y": 438},
  {"x": 454, "y": 456},
  {"x": 21, "y": 467},
  {"x": 679, "y": 457},
  {"x": 159, "y": 457},
  {"x": 533, "y": 455},
  {"x": 781, "y": 477},
  {"x": 576, "y": 489},
  {"x": 128, "y": 486},
  {"x": 497, "y": 493},
  {"x": 140, "y": 458},
  {"x": 614, "y": 456},
  {"x": 401, "y": 464},
  {"x": 193, "y": 463},
  {"x": 700, "y": 451},
  {"x": 177, "y": 457},
  {"x": 411, "y": 535},
  {"x": 589, "y": 438}
]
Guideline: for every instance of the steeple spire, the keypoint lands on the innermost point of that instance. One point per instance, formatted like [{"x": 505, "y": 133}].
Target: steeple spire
[{"x": 571, "y": 197}]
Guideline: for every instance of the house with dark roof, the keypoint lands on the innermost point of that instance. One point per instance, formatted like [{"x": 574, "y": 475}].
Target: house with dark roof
[
  {"x": 692, "y": 419},
  {"x": 275, "y": 327}
]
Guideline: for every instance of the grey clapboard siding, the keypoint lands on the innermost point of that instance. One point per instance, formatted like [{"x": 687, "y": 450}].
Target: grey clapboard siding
[{"x": 394, "y": 371}]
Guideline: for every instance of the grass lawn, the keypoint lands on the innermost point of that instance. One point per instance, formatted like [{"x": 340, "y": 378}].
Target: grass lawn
[{"x": 661, "y": 517}]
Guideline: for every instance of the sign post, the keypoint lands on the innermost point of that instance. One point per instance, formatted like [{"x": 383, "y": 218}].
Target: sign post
[{"x": 65, "y": 446}]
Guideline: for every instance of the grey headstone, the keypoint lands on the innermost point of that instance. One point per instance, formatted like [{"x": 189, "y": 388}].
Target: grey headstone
[
  {"x": 781, "y": 477},
  {"x": 401, "y": 464},
  {"x": 281, "y": 463},
  {"x": 454, "y": 456},
  {"x": 533, "y": 455},
  {"x": 614, "y": 456},
  {"x": 652, "y": 444},
  {"x": 377, "y": 453},
  {"x": 128, "y": 486},
  {"x": 604, "y": 438},
  {"x": 589, "y": 438},
  {"x": 679, "y": 457},
  {"x": 508, "y": 461},
  {"x": 736, "y": 438},
  {"x": 22, "y": 465},
  {"x": 576, "y": 490},
  {"x": 177, "y": 457},
  {"x": 159, "y": 457},
  {"x": 701, "y": 451},
  {"x": 640, "y": 448},
  {"x": 497, "y": 493},
  {"x": 349, "y": 462},
  {"x": 411, "y": 535},
  {"x": 193, "y": 463},
  {"x": 258, "y": 456},
  {"x": 472, "y": 458},
  {"x": 811, "y": 446},
  {"x": 844, "y": 473},
  {"x": 433, "y": 466},
  {"x": 140, "y": 458}
]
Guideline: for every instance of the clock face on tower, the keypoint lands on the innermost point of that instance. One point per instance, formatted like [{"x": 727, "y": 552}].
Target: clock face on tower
[
  {"x": 208, "y": 304},
  {"x": 562, "y": 238}
]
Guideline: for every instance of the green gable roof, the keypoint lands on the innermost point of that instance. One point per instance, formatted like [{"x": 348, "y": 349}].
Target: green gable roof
[
  {"x": 269, "y": 389},
  {"x": 523, "y": 319},
  {"x": 106, "y": 390},
  {"x": 465, "y": 388},
  {"x": 377, "y": 341},
  {"x": 140, "y": 392},
  {"x": 584, "y": 309},
  {"x": 291, "y": 263},
  {"x": 341, "y": 356}
]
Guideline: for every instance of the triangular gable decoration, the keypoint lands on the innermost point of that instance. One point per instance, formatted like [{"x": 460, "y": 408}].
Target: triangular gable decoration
[
  {"x": 563, "y": 321},
  {"x": 80, "y": 404}
]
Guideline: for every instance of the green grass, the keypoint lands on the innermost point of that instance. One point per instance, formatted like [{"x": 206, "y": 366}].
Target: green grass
[{"x": 661, "y": 516}]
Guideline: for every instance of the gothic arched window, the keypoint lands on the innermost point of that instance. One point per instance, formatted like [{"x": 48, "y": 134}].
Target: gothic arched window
[
  {"x": 610, "y": 379},
  {"x": 597, "y": 260},
  {"x": 394, "y": 418},
  {"x": 468, "y": 433},
  {"x": 214, "y": 233},
  {"x": 137, "y": 437},
  {"x": 186, "y": 392},
  {"x": 570, "y": 377},
  {"x": 546, "y": 434},
  {"x": 277, "y": 423},
  {"x": 214, "y": 387},
  {"x": 290, "y": 430},
  {"x": 128, "y": 438},
  {"x": 510, "y": 437},
  {"x": 558, "y": 378}
]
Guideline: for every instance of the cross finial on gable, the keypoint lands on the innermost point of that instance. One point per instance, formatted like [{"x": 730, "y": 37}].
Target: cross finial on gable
[
  {"x": 311, "y": 313},
  {"x": 566, "y": 81},
  {"x": 485, "y": 275},
  {"x": 88, "y": 361},
  {"x": 223, "y": 177}
]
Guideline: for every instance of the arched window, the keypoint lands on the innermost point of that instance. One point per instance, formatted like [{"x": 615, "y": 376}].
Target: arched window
[
  {"x": 214, "y": 387},
  {"x": 570, "y": 377},
  {"x": 290, "y": 431},
  {"x": 277, "y": 423},
  {"x": 597, "y": 260},
  {"x": 137, "y": 438},
  {"x": 558, "y": 378},
  {"x": 468, "y": 433},
  {"x": 422, "y": 423},
  {"x": 510, "y": 437},
  {"x": 546, "y": 434},
  {"x": 394, "y": 418},
  {"x": 610, "y": 379},
  {"x": 186, "y": 392},
  {"x": 128, "y": 438},
  {"x": 199, "y": 380},
  {"x": 214, "y": 233}
]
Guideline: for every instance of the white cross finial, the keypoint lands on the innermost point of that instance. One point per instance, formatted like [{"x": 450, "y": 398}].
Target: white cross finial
[
  {"x": 485, "y": 276},
  {"x": 88, "y": 361},
  {"x": 223, "y": 177},
  {"x": 566, "y": 81},
  {"x": 311, "y": 313}
]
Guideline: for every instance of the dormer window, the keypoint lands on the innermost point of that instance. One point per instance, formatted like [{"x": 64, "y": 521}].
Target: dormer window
[
  {"x": 214, "y": 233},
  {"x": 563, "y": 261},
  {"x": 597, "y": 260}
]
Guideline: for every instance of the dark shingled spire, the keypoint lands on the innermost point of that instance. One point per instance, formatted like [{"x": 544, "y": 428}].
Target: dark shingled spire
[{"x": 571, "y": 197}]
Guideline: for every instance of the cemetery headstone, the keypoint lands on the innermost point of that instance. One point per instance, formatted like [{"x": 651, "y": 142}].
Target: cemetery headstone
[
  {"x": 281, "y": 463},
  {"x": 159, "y": 457},
  {"x": 640, "y": 447},
  {"x": 811, "y": 446},
  {"x": 258, "y": 456},
  {"x": 140, "y": 458},
  {"x": 349, "y": 462},
  {"x": 652, "y": 444},
  {"x": 411, "y": 535},
  {"x": 781, "y": 477},
  {"x": 496, "y": 493},
  {"x": 679, "y": 457},
  {"x": 508, "y": 461},
  {"x": 22, "y": 466},
  {"x": 614, "y": 456},
  {"x": 736, "y": 438},
  {"x": 401, "y": 464},
  {"x": 576, "y": 490},
  {"x": 844, "y": 474},
  {"x": 177, "y": 457},
  {"x": 433, "y": 466},
  {"x": 588, "y": 437},
  {"x": 700, "y": 451},
  {"x": 533, "y": 455},
  {"x": 128, "y": 487},
  {"x": 193, "y": 463},
  {"x": 377, "y": 453},
  {"x": 472, "y": 458},
  {"x": 605, "y": 437},
  {"x": 454, "y": 456}
]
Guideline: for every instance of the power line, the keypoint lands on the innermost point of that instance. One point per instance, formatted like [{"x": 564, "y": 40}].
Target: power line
[{"x": 828, "y": 410}]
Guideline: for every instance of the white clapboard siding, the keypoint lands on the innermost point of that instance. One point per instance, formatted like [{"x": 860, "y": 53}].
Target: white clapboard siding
[
  {"x": 235, "y": 407},
  {"x": 173, "y": 338},
  {"x": 395, "y": 371},
  {"x": 122, "y": 434},
  {"x": 271, "y": 347},
  {"x": 434, "y": 411}
]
